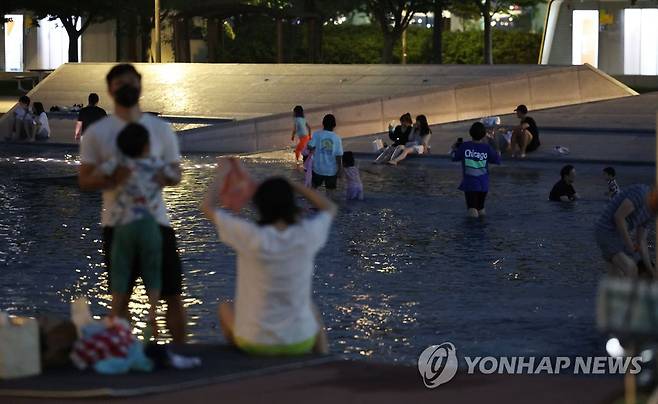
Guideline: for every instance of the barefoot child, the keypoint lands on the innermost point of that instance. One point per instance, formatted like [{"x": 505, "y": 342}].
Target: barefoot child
[
  {"x": 137, "y": 235},
  {"x": 302, "y": 130},
  {"x": 353, "y": 186},
  {"x": 475, "y": 157},
  {"x": 273, "y": 312}
]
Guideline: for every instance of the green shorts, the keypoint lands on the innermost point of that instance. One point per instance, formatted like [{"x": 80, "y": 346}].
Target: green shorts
[
  {"x": 299, "y": 348},
  {"x": 137, "y": 242}
]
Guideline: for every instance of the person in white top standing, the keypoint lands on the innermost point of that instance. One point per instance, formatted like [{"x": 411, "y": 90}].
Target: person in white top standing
[
  {"x": 273, "y": 313},
  {"x": 99, "y": 145}
]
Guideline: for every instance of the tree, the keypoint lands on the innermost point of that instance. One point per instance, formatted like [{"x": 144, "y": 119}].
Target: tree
[
  {"x": 486, "y": 9},
  {"x": 437, "y": 7},
  {"x": 314, "y": 14},
  {"x": 393, "y": 17},
  {"x": 7, "y": 7},
  {"x": 72, "y": 13}
]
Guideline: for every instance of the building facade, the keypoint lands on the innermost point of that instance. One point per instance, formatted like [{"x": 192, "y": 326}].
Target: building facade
[
  {"x": 25, "y": 45},
  {"x": 618, "y": 37}
]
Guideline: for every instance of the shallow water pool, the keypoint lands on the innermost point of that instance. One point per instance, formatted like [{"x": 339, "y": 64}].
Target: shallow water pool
[{"x": 403, "y": 269}]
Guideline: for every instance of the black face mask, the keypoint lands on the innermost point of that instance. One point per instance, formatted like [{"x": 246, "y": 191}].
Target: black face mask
[{"x": 127, "y": 96}]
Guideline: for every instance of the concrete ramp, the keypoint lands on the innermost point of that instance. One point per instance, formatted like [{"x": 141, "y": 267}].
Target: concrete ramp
[
  {"x": 538, "y": 89},
  {"x": 241, "y": 91},
  {"x": 257, "y": 99},
  {"x": 250, "y": 90}
]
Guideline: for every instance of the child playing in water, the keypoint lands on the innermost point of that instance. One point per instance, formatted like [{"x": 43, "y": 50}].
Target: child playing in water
[
  {"x": 302, "y": 130},
  {"x": 613, "y": 189},
  {"x": 354, "y": 187},
  {"x": 563, "y": 190},
  {"x": 475, "y": 156},
  {"x": 137, "y": 235}
]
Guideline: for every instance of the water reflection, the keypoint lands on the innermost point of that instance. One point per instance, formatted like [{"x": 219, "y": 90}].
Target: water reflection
[{"x": 403, "y": 269}]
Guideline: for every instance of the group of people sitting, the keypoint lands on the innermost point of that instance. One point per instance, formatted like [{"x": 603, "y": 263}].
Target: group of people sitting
[
  {"x": 29, "y": 123},
  {"x": 408, "y": 138},
  {"x": 32, "y": 124}
]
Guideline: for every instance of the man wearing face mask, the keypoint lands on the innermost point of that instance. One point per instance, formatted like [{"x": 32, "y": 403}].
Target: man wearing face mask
[{"x": 99, "y": 145}]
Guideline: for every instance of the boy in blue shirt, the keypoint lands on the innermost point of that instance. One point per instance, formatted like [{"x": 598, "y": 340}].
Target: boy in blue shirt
[
  {"x": 327, "y": 149},
  {"x": 475, "y": 156}
]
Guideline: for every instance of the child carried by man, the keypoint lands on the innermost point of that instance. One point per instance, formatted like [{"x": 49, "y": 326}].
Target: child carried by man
[{"x": 137, "y": 237}]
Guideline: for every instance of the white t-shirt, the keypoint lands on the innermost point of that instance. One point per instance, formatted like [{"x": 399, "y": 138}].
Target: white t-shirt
[
  {"x": 274, "y": 277},
  {"x": 43, "y": 120},
  {"x": 99, "y": 145}
]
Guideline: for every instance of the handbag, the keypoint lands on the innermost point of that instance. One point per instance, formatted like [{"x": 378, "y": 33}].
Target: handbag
[
  {"x": 238, "y": 187},
  {"x": 19, "y": 347}
]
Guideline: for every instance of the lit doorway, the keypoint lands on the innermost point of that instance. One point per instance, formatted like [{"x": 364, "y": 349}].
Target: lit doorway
[
  {"x": 585, "y": 37},
  {"x": 641, "y": 41},
  {"x": 14, "y": 43}
]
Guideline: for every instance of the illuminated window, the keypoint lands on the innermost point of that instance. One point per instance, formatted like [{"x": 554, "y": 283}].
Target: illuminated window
[
  {"x": 14, "y": 43},
  {"x": 641, "y": 41},
  {"x": 585, "y": 37}
]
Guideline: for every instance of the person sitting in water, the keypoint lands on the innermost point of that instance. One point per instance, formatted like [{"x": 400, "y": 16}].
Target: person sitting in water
[
  {"x": 563, "y": 190},
  {"x": 525, "y": 137},
  {"x": 399, "y": 136},
  {"x": 353, "y": 186},
  {"x": 419, "y": 141},
  {"x": 273, "y": 312},
  {"x": 632, "y": 210}
]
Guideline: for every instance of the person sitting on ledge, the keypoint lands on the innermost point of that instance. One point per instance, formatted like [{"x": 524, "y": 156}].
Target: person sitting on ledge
[
  {"x": 23, "y": 123},
  {"x": 42, "y": 132},
  {"x": 419, "y": 142},
  {"x": 273, "y": 313},
  {"x": 563, "y": 190},
  {"x": 525, "y": 137},
  {"x": 399, "y": 136}
]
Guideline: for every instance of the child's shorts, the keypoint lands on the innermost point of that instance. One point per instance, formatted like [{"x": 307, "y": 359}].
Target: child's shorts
[
  {"x": 475, "y": 200},
  {"x": 141, "y": 242}
]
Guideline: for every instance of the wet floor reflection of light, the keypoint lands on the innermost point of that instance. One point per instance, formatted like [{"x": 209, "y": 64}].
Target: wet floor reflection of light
[{"x": 400, "y": 271}]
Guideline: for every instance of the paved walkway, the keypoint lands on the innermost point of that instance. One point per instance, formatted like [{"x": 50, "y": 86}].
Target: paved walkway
[
  {"x": 617, "y": 131},
  {"x": 368, "y": 382}
]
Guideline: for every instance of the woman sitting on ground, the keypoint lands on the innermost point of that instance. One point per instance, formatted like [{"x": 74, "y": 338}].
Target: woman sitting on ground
[
  {"x": 419, "y": 142},
  {"x": 43, "y": 127},
  {"x": 273, "y": 313}
]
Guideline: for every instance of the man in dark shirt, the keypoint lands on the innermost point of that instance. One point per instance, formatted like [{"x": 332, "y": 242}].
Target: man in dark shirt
[
  {"x": 563, "y": 190},
  {"x": 399, "y": 136},
  {"x": 88, "y": 115},
  {"x": 525, "y": 138}
]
